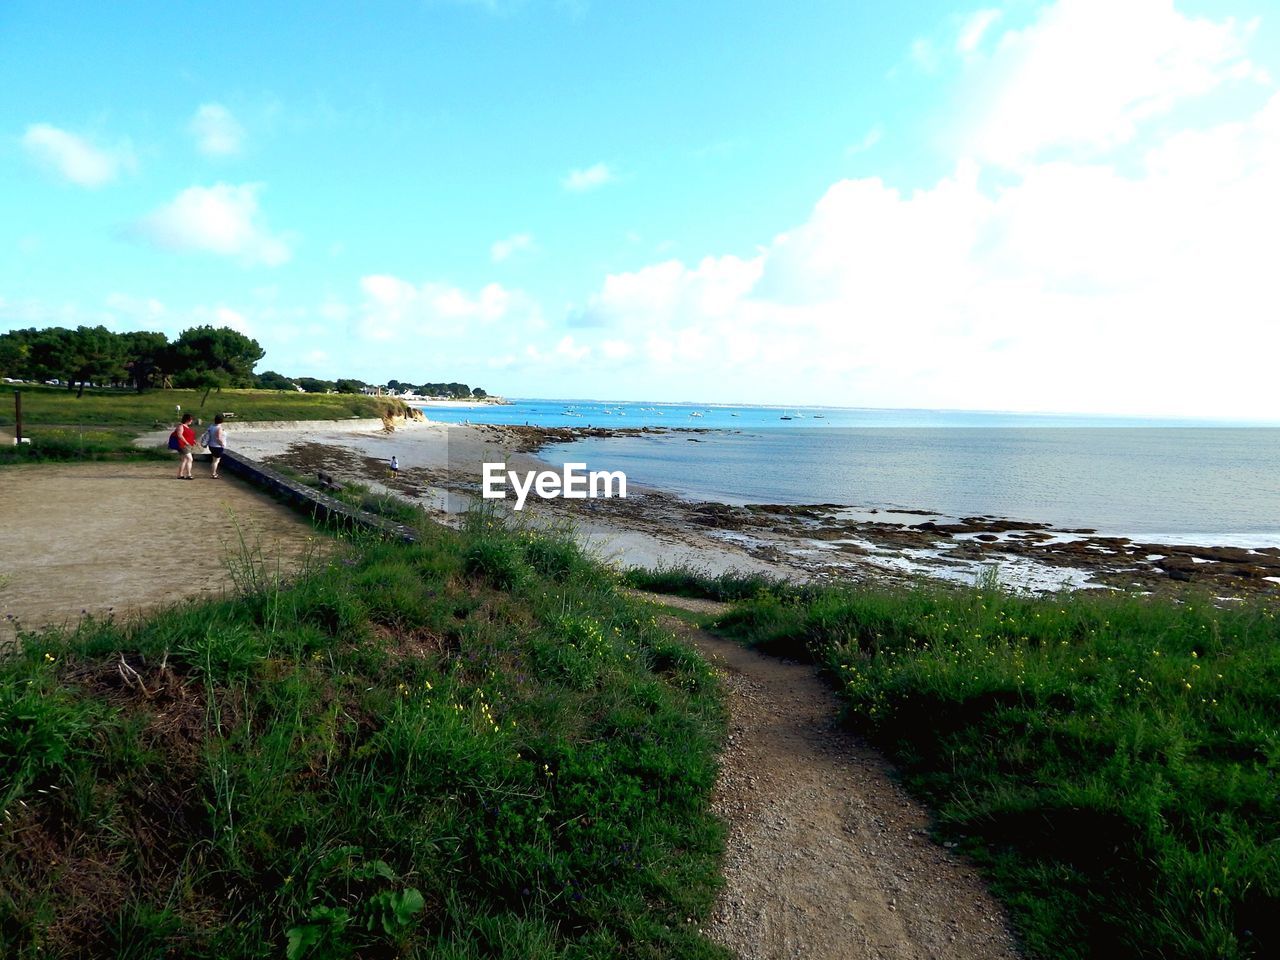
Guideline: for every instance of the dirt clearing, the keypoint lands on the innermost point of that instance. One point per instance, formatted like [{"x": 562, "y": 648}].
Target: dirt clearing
[
  {"x": 123, "y": 537},
  {"x": 827, "y": 856}
]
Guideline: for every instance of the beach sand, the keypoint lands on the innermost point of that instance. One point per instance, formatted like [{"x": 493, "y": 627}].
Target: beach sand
[
  {"x": 441, "y": 466},
  {"x": 437, "y": 458}
]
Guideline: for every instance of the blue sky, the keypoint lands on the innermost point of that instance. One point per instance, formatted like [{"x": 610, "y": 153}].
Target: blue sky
[{"x": 1034, "y": 206}]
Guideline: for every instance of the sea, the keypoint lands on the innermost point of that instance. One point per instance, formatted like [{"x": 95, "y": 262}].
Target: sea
[{"x": 1166, "y": 481}]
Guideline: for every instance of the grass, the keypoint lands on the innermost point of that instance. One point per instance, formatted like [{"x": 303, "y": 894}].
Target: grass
[
  {"x": 103, "y": 424},
  {"x": 1112, "y": 762},
  {"x": 474, "y": 746},
  {"x": 684, "y": 581},
  {"x": 358, "y": 495},
  {"x": 155, "y": 408},
  {"x": 56, "y": 444}
]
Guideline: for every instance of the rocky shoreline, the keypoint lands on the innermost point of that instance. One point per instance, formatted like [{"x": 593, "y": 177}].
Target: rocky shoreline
[
  {"x": 824, "y": 541},
  {"x": 533, "y": 439},
  {"x": 1108, "y": 561},
  {"x": 939, "y": 542}
]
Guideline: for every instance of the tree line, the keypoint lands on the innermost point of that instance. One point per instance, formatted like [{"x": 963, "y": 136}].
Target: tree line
[
  {"x": 456, "y": 391},
  {"x": 270, "y": 380},
  {"x": 202, "y": 357}
]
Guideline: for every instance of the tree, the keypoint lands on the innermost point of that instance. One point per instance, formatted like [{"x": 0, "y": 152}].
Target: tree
[
  {"x": 207, "y": 380},
  {"x": 49, "y": 353},
  {"x": 15, "y": 351},
  {"x": 458, "y": 391},
  {"x": 478, "y": 393},
  {"x": 274, "y": 381},
  {"x": 93, "y": 353},
  {"x": 346, "y": 385},
  {"x": 312, "y": 385},
  {"x": 203, "y": 350},
  {"x": 145, "y": 352}
]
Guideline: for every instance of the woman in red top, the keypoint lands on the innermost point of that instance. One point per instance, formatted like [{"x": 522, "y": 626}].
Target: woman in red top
[{"x": 186, "y": 438}]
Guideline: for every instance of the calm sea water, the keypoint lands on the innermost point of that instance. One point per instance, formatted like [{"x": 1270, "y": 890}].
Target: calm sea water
[{"x": 1176, "y": 481}]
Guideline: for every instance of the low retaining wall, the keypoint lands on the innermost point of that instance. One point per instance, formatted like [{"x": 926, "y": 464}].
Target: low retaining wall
[{"x": 311, "y": 501}]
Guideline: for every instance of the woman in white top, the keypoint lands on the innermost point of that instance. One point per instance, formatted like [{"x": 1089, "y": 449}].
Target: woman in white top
[{"x": 216, "y": 437}]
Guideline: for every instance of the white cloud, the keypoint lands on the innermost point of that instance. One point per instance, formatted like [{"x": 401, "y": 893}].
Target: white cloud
[
  {"x": 589, "y": 178},
  {"x": 1074, "y": 285},
  {"x": 74, "y": 158},
  {"x": 712, "y": 290},
  {"x": 570, "y": 350},
  {"x": 397, "y": 310},
  {"x": 567, "y": 352},
  {"x": 1086, "y": 73},
  {"x": 616, "y": 349},
  {"x": 127, "y": 312},
  {"x": 136, "y": 312},
  {"x": 974, "y": 28},
  {"x": 516, "y": 243},
  {"x": 234, "y": 319},
  {"x": 217, "y": 132},
  {"x": 223, "y": 219}
]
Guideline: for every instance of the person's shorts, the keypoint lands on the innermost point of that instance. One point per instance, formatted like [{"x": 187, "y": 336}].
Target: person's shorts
[
  {"x": 215, "y": 451},
  {"x": 185, "y": 449}
]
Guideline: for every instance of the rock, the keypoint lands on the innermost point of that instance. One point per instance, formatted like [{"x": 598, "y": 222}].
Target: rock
[
  {"x": 1248, "y": 572},
  {"x": 1178, "y": 567}
]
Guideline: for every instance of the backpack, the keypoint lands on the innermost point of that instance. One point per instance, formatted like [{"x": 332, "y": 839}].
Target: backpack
[
  {"x": 173, "y": 441},
  {"x": 206, "y": 438}
]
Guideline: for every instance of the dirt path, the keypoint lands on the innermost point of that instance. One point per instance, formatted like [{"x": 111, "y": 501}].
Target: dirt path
[
  {"x": 124, "y": 537},
  {"x": 827, "y": 857}
]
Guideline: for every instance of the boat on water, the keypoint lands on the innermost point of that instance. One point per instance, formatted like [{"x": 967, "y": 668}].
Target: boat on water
[{"x": 784, "y": 418}]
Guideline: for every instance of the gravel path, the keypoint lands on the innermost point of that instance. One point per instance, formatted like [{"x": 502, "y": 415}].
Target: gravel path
[
  {"x": 827, "y": 856},
  {"x": 119, "y": 538}
]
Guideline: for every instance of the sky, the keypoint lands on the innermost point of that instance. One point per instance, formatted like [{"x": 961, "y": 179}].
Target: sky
[{"x": 1065, "y": 206}]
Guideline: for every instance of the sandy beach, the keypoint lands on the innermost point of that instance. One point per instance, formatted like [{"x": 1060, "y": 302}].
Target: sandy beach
[
  {"x": 458, "y": 404},
  {"x": 440, "y": 466},
  {"x": 439, "y": 469}
]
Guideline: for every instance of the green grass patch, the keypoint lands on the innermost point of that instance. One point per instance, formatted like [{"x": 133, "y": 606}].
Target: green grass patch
[
  {"x": 358, "y": 495},
  {"x": 156, "y": 408},
  {"x": 1113, "y": 762},
  {"x": 61, "y": 444},
  {"x": 682, "y": 580},
  {"x": 102, "y": 424},
  {"x": 408, "y": 750}
]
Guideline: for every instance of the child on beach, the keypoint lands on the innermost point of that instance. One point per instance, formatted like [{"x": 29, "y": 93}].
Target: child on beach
[{"x": 393, "y": 468}]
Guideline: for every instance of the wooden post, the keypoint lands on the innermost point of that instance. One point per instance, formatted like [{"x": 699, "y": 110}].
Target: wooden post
[{"x": 17, "y": 416}]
